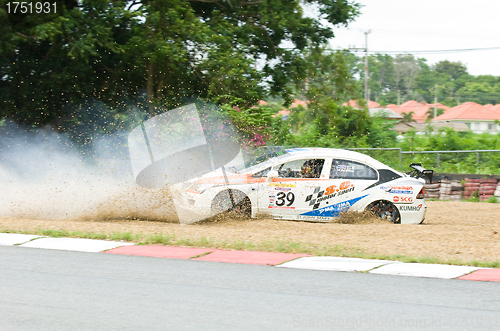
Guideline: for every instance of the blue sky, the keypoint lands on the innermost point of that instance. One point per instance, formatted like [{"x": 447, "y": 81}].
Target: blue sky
[{"x": 409, "y": 26}]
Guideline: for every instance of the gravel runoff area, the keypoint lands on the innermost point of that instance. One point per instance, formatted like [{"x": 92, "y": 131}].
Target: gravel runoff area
[{"x": 453, "y": 230}]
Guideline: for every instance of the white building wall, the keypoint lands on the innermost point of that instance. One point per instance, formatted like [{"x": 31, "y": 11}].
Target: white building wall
[{"x": 483, "y": 126}]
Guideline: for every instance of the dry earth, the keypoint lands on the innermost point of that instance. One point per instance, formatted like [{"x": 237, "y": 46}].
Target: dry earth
[{"x": 463, "y": 231}]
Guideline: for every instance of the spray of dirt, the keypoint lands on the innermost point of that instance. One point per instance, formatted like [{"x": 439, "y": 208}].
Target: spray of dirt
[
  {"x": 364, "y": 217},
  {"x": 350, "y": 217},
  {"x": 135, "y": 203}
]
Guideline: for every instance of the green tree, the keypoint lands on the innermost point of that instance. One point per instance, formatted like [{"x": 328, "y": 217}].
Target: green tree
[
  {"x": 382, "y": 75},
  {"x": 329, "y": 84},
  {"x": 453, "y": 69},
  {"x": 408, "y": 117},
  {"x": 413, "y": 79},
  {"x": 51, "y": 60},
  {"x": 328, "y": 74},
  {"x": 430, "y": 113},
  {"x": 152, "y": 52},
  {"x": 406, "y": 70},
  {"x": 482, "y": 93}
]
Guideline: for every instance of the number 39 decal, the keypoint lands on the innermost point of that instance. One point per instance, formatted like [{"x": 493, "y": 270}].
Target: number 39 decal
[{"x": 282, "y": 198}]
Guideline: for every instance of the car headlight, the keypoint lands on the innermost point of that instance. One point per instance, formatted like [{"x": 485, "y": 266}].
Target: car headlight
[{"x": 197, "y": 188}]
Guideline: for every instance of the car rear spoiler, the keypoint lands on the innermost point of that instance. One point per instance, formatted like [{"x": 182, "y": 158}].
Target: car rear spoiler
[{"x": 420, "y": 172}]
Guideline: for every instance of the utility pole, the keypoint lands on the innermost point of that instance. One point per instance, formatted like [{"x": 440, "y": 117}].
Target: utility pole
[
  {"x": 399, "y": 101},
  {"x": 435, "y": 101},
  {"x": 367, "y": 93}
]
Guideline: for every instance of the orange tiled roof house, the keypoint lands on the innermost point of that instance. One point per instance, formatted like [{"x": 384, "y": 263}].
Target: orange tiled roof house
[{"x": 477, "y": 117}]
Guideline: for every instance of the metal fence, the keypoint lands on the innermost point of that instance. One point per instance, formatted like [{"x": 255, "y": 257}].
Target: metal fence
[{"x": 438, "y": 154}]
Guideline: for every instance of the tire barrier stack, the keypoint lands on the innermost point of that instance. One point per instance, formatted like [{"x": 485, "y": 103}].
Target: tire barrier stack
[
  {"x": 447, "y": 189},
  {"x": 432, "y": 191},
  {"x": 470, "y": 188},
  {"x": 484, "y": 188},
  {"x": 497, "y": 191},
  {"x": 450, "y": 190},
  {"x": 487, "y": 188}
]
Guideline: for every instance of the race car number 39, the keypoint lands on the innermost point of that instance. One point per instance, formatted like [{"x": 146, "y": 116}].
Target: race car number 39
[
  {"x": 281, "y": 196},
  {"x": 282, "y": 199}
]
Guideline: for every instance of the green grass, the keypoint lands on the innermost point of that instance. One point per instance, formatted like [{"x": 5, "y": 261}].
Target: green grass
[
  {"x": 266, "y": 246},
  {"x": 492, "y": 199},
  {"x": 158, "y": 239},
  {"x": 123, "y": 236},
  {"x": 56, "y": 233}
]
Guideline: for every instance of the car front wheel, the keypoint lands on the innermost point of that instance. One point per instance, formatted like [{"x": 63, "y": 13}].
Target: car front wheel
[{"x": 223, "y": 204}]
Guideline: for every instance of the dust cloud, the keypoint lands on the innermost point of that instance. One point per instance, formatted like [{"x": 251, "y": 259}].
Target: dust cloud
[{"x": 44, "y": 176}]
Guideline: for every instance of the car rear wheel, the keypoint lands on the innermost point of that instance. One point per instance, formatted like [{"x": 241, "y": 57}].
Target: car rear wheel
[{"x": 385, "y": 210}]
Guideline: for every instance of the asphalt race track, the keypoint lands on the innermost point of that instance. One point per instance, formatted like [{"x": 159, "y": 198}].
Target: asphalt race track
[{"x": 65, "y": 290}]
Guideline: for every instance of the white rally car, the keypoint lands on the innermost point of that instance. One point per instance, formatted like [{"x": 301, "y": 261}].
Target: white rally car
[{"x": 312, "y": 184}]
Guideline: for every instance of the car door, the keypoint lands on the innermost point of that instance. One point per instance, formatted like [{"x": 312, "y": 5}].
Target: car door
[
  {"x": 285, "y": 196},
  {"x": 347, "y": 181}
]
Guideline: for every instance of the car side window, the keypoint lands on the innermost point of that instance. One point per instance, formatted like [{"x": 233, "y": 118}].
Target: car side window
[
  {"x": 262, "y": 173},
  {"x": 345, "y": 169},
  {"x": 305, "y": 168}
]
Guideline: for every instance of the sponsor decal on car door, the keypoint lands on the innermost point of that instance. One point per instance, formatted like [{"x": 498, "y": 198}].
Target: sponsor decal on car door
[
  {"x": 331, "y": 200},
  {"x": 348, "y": 180}
]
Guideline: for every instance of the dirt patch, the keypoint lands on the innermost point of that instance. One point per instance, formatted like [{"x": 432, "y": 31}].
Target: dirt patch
[{"x": 463, "y": 231}]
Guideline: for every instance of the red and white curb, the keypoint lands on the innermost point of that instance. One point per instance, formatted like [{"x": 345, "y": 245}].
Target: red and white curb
[
  {"x": 280, "y": 260},
  {"x": 67, "y": 244},
  {"x": 382, "y": 267},
  {"x": 425, "y": 270},
  {"x": 207, "y": 254},
  {"x": 333, "y": 263}
]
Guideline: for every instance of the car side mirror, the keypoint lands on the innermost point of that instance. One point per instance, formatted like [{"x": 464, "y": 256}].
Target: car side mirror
[{"x": 272, "y": 174}]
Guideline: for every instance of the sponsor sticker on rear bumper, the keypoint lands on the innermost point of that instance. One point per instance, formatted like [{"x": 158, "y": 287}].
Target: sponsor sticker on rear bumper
[{"x": 410, "y": 208}]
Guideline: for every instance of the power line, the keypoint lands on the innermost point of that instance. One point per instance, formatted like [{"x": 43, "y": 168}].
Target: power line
[
  {"x": 439, "y": 51},
  {"x": 434, "y": 33}
]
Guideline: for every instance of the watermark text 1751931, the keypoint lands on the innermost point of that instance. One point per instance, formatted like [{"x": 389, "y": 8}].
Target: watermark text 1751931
[{"x": 31, "y": 7}]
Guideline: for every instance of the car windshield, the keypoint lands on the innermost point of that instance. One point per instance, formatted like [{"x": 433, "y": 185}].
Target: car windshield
[{"x": 254, "y": 159}]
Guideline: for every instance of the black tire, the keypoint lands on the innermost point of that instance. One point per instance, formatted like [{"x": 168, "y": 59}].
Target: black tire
[
  {"x": 222, "y": 204},
  {"x": 385, "y": 210}
]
